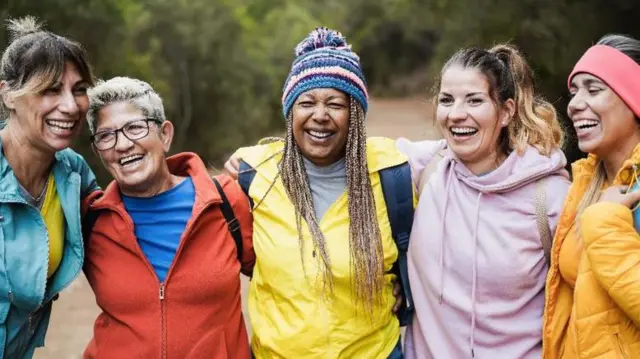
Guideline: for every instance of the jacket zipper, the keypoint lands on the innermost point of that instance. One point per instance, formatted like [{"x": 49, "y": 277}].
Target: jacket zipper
[
  {"x": 163, "y": 330},
  {"x": 620, "y": 347},
  {"x": 162, "y": 285}
]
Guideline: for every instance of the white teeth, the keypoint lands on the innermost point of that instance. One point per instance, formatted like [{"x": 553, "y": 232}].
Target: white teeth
[
  {"x": 320, "y": 134},
  {"x": 585, "y": 123},
  {"x": 463, "y": 130},
  {"x": 67, "y": 125},
  {"x": 127, "y": 160}
]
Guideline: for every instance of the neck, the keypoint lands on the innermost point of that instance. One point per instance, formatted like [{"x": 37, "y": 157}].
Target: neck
[
  {"x": 614, "y": 160},
  {"x": 486, "y": 164},
  {"x": 162, "y": 182},
  {"x": 30, "y": 165}
]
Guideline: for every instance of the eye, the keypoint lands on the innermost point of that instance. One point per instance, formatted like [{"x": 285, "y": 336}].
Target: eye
[
  {"x": 105, "y": 136},
  {"x": 336, "y": 106},
  {"x": 135, "y": 127},
  {"x": 80, "y": 91},
  {"x": 54, "y": 90},
  {"x": 475, "y": 101},
  {"x": 594, "y": 90},
  {"x": 445, "y": 100},
  {"x": 306, "y": 104}
]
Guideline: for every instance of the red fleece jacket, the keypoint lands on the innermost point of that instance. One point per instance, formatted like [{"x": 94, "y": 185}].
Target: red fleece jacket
[{"x": 196, "y": 312}]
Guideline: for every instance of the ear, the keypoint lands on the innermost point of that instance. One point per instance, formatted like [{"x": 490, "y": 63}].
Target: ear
[
  {"x": 166, "y": 135},
  {"x": 7, "y": 99},
  {"x": 508, "y": 111}
]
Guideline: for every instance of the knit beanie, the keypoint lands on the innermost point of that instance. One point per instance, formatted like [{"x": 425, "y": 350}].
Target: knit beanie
[{"x": 325, "y": 60}]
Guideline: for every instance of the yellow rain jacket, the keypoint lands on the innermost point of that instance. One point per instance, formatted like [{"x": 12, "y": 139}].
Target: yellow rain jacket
[
  {"x": 289, "y": 317},
  {"x": 601, "y": 314}
]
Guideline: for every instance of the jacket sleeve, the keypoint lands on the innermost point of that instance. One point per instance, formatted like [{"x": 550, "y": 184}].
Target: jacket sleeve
[
  {"x": 240, "y": 205},
  {"x": 613, "y": 250},
  {"x": 420, "y": 153}
]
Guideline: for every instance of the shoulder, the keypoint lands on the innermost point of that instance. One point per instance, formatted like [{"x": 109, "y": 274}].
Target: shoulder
[
  {"x": 254, "y": 155},
  {"x": 382, "y": 153},
  {"x": 231, "y": 189},
  {"x": 72, "y": 159}
]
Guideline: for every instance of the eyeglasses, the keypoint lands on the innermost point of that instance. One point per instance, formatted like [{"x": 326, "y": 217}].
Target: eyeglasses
[{"x": 134, "y": 130}]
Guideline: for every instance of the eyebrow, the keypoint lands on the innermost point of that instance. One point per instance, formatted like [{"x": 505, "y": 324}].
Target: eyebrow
[
  {"x": 588, "y": 82},
  {"x": 108, "y": 129}
]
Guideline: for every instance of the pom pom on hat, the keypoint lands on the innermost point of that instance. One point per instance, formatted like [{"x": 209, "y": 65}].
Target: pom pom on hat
[{"x": 322, "y": 37}]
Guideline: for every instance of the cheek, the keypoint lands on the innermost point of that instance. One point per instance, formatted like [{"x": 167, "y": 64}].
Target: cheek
[
  {"x": 486, "y": 117},
  {"x": 83, "y": 104}
]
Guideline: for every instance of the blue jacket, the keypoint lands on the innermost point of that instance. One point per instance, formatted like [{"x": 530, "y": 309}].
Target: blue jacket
[{"x": 25, "y": 295}]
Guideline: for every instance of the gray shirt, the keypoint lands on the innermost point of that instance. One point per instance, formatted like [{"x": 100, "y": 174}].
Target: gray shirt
[{"x": 327, "y": 184}]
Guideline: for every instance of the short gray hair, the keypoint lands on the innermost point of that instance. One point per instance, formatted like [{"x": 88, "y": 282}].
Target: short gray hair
[{"x": 124, "y": 89}]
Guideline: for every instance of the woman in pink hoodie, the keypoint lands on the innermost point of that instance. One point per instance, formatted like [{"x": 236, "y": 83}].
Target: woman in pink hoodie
[{"x": 495, "y": 187}]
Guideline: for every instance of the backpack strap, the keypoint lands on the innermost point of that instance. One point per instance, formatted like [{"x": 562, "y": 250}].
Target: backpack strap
[
  {"x": 397, "y": 187},
  {"x": 542, "y": 219},
  {"x": 246, "y": 174},
  {"x": 428, "y": 170},
  {"x": 230, "y": 218}
]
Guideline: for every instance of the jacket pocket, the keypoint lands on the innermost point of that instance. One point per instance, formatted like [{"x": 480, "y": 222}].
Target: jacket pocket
[{"x": 621, "y": 349}]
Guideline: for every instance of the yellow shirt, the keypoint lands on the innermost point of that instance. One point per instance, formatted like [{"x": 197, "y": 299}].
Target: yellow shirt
[{"x": 54, "y": 220}]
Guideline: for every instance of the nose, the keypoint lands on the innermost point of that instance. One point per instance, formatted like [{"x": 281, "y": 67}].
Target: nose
[
  {"x": 320, "y": 113},
  {"x": 458, "y": 111},
  {"x": 68, "y": 103},
  {"x": 123, "y": 144},
  {"x": 576, "y": 104}
]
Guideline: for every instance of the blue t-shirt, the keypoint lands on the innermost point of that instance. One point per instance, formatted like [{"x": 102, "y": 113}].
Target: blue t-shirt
[{"x": 159, "y": 222}]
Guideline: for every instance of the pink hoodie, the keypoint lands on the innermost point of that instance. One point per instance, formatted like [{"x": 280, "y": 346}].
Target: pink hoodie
[{"x": 476, "y": 263}]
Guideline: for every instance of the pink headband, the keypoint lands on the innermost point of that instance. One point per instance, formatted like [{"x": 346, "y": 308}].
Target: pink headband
[{"x": 618, "y": 70}]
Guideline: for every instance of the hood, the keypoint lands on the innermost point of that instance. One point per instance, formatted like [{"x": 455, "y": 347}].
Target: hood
[{"x": 516, "y": 171}]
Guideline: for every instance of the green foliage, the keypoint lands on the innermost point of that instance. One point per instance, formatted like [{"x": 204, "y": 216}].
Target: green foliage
[{"x": 220, "y": 64}]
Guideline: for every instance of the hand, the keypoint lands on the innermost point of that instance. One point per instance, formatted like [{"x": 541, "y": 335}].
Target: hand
[
  {"x": 231, "y": 167},
  {"x": 397, "y": 292},
  {"x": 616, "y": 194}
]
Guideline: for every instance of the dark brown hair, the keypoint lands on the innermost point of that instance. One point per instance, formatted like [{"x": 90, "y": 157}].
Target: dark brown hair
[{"x": 35, "y": 58}]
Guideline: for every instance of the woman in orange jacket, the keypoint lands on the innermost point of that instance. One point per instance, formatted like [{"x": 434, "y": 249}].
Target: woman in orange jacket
[
  {"x": 593, "y": 286},
  {"x": 161, "y": 258}
]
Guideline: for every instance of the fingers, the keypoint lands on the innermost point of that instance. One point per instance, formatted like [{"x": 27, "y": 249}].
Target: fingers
[
  {"x": 399, "y": 298},
  {"x": 231, "y": 167}
]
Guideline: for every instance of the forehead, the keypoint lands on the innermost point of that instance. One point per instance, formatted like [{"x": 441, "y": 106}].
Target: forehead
[
  {"x": 117, "y": 114},
  {"x": 324, "y": 93},
  {"x": 457, "y": 79},
  {"x": 585, "y": 79}
]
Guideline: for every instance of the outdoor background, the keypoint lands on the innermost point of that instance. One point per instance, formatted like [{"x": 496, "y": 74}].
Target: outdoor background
[{"x": 220, "y": 67}]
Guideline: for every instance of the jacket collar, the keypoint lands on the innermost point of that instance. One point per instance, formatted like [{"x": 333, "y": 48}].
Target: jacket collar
[
  {"x": 586, "y": 167},
  {"x": 183, "y": 164}
]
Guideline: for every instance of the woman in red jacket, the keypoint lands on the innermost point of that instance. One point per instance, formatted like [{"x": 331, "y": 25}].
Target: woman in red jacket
[{"x": 161, "y": 257}]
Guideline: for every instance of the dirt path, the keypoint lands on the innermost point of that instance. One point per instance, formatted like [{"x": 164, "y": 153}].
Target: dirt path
[{"x": 73, "y": 314}]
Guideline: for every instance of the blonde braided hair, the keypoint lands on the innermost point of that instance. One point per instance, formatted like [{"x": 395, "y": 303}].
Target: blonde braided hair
[{"x": 365, "y": 242}]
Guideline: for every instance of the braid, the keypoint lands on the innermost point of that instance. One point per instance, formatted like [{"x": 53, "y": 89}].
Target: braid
[
  {"x": 296, "y": 183},
  {"x": 365, "y": 244}
]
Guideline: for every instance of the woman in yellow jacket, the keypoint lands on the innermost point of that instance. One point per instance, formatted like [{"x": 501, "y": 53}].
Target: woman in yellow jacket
[
  {"x": 593, "y": 286},
  {"x": 322, "y": 285}
]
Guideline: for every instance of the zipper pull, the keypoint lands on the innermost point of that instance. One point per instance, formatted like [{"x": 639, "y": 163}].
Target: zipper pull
[{"x": 161, "y": 291}]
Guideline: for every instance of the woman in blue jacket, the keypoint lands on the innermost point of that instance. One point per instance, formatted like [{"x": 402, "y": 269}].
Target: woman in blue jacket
[{"x": 43, "y": 83}]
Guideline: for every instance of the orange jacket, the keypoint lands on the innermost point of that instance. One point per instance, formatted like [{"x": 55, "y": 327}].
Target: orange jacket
[
  {"x": 196, "y": 313},
  {"x": 605, "y": 302}
]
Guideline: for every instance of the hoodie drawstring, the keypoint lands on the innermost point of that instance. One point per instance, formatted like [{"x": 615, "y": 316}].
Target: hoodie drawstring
[
  {"x": 474, "y": 279},
  {"x": 443, "y": 234}
]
